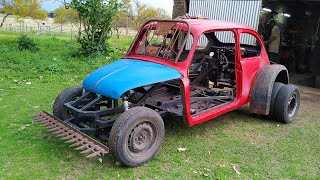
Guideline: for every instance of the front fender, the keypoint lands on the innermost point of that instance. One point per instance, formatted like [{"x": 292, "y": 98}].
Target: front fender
[
  {"x": 261, "y": 89},
  {"x": 123, "y": 75}
]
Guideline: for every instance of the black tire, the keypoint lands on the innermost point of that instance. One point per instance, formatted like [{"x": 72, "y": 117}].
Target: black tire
[
  {"x": 287, "y": 103},
  {"x": 65, "y": 96},
  {"x": 275, "y": 90},
  {"x": 136, "y": 136}
]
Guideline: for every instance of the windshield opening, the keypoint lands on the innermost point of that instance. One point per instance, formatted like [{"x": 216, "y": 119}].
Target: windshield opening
[{"x": 162, "y": 39}]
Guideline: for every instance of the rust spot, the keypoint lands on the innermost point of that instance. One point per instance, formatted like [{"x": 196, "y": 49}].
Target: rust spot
[
  {"x": 163, "y": 28},
  {"x": 260, "y": 93}
]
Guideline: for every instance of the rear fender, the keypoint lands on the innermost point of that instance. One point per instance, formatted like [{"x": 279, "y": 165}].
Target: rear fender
[{"x": 261, "y": 89}]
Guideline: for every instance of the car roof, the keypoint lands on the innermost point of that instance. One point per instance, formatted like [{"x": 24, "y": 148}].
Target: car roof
[{"x": 203, "y": 25}]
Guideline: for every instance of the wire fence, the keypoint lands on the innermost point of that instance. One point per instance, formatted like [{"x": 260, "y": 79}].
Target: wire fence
[
  {"x": 48, "y": 26},
  {"x": 65, "y": 30},
  {"x": 41, "y": 29}
]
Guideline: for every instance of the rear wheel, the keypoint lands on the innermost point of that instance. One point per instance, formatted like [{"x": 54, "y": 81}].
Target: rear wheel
[
  {"x": 136, "y": 136},
  {"x": 287, "y": 103},
  {"x": 65, "y": 96},
  {"x": 276, "y": 88}
]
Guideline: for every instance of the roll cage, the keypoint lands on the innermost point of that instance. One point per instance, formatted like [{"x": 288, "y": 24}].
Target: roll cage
[{"x": 165, "y": 39}]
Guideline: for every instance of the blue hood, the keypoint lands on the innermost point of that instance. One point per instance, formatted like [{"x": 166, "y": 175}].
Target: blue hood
[{"x": 120, "y": 76}]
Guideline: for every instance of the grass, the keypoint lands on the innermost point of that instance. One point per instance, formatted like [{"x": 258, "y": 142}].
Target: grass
[{"x": 258, "y": 148}]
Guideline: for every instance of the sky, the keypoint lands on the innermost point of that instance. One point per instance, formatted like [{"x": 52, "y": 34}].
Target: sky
[{"x": 167, "y": 5}]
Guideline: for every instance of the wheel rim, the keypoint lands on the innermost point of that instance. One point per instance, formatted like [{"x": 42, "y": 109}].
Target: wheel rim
[
  {"x": 141, "y": 139},
  {"x": 292, "y": 105}
]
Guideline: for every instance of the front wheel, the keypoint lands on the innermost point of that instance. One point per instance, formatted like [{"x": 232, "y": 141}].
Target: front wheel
[
  {"x": 65, "y": 96},
  {"x": 136, "y": 136}
]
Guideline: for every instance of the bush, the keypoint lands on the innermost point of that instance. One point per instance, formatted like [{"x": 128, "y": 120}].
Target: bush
[
  {"x": 26, "y": 43},
  {"x": 97, "y": 17}
]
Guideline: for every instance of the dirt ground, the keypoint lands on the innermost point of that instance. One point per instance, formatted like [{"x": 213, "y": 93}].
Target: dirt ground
[{"x": 310, "y": 98}]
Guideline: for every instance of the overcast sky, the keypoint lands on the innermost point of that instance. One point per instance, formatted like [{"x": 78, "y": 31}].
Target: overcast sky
[{"x": 51, "y": 5}]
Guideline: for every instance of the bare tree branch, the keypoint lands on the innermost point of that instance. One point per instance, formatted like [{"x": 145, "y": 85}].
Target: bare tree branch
[{"x": 4, "y": 18}]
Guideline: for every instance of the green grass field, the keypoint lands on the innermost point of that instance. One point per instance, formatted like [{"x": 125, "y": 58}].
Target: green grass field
[{"x": 259, "y": 149}]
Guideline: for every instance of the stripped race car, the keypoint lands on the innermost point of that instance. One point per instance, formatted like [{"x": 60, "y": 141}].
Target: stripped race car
[{"x": 194, "y": 69}]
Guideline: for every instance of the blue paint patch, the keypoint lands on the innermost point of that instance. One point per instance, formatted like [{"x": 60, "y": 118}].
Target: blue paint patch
[{"x": 120, "y": 76}]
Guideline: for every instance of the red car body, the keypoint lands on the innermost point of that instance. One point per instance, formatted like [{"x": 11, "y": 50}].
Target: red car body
[{"x": 246, "y": 68}]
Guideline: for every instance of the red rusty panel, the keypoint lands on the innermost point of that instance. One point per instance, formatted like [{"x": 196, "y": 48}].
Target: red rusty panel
[
  {"x": 163, "y": 28},
  {"x": 152, "y": 50}
]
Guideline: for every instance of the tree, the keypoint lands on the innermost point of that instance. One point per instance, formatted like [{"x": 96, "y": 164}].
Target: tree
[
  {"x": 121, "y": 19},
  {"x": 96, "y": 17},
  {"x": 22, "y": 8},
  {"x": 162, "y": 14},
  {"x": 144, "y": 12},
  {"x": 64, "y": 15},
  {"x": 179, "y": 8}
]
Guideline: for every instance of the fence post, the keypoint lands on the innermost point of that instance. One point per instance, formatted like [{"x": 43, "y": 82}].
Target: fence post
[{"x": 71, "y": 30}]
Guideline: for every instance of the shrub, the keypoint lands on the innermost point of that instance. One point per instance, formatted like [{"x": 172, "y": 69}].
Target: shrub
[
  {"x": 26, "y": 43},
  {"x": 96, "y": 18}
]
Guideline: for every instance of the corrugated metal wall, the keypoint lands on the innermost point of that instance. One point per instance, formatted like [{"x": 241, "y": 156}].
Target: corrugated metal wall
[{"x": 240, "y": 11}]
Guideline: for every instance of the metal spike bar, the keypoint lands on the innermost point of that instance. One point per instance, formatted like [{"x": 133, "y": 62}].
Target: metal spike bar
[
  {"x": 44, "y": 118},
  {"x": 43, "y": 122},
  {"x": 83, "y": 147},
  {"x": 52, "y": 126},
  {"x": 64, "y": 128},
  {"x": 73, "y": 140},
  {"x": 71, "y": 136},
  {"x": 98, "y": 153},
  {"x": 39, "y": 118},
  {"x": 62, "y": 135},
  {"x": 76, "y": 144},
  {"x": 54, "y": 129},
  {"x": 41, "y": 114},
  {"x": 48, "y": 124},
  {"x": 87, "y": 151},
  {"x": 104, "y": 151},
  {"x": 58, "y": 132}
]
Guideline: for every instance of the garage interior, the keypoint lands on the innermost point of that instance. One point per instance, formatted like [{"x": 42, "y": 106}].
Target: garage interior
[
  {"x": 299, "y": 50},
  {"x": 299, "y": 22}
]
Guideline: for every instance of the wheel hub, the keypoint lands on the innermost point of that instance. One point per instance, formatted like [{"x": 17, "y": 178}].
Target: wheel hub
[
  {"x": 292, "y": 105},
  {"x": 140, "y": 138}
]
